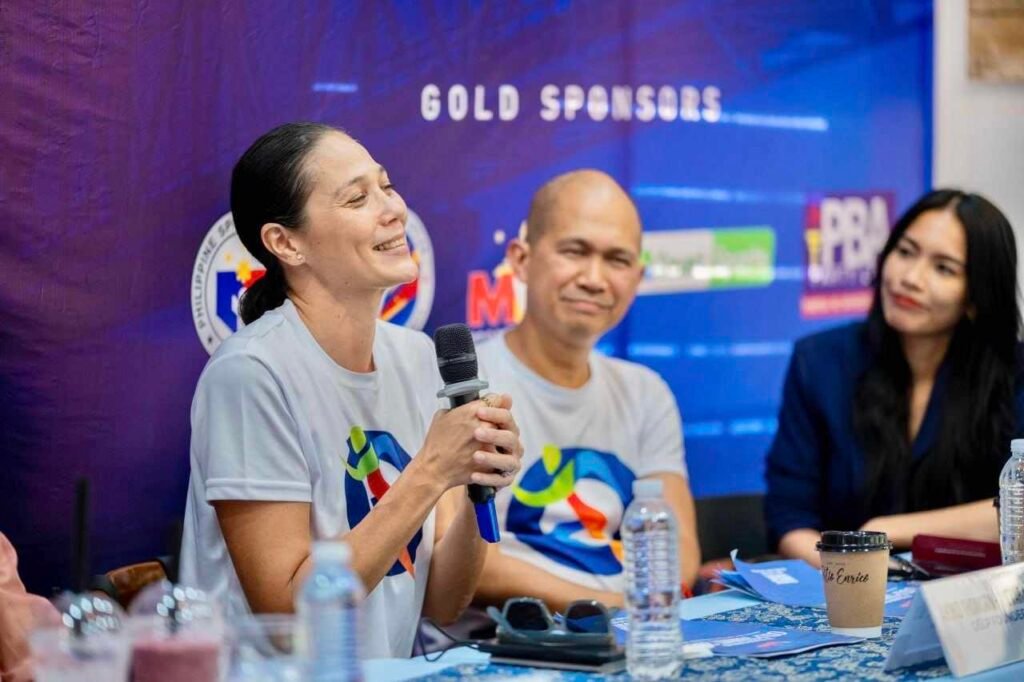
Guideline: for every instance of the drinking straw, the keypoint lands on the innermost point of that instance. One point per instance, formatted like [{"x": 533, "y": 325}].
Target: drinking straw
[{"x": 80, "y": 544}]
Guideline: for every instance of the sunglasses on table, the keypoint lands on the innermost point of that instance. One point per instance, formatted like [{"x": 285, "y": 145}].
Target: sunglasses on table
[
  {"x": 904, "y": 569},
  {"x": 527, "y": 620}
]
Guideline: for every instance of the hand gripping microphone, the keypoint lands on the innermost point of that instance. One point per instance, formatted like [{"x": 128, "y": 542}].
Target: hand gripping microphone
[{"x": 456, "y": 359}]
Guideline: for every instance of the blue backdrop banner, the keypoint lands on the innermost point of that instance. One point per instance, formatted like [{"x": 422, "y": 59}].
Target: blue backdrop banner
[{"x": 768, "y": 147}]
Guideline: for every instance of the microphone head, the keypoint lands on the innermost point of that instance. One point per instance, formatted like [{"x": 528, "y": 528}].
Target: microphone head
[{"x": 456, "y": 354}]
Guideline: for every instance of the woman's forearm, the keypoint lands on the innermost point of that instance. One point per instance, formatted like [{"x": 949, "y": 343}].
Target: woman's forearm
[
  {"x": 270, "y": 543},
  {"x": 973, "y": 521},
  {"x": 801, "y": 543},
  {"x": 383, "y": 534},
  {"x": 457, "y": 564}
]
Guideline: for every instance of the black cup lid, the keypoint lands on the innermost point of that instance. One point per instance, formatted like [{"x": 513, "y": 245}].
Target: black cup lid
[{"x": 853, "y": 541}]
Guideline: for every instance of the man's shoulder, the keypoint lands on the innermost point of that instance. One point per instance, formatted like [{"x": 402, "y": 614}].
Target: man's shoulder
[
  {"x": 626, "y": 370},
  {"x": 638, "y": 384}
]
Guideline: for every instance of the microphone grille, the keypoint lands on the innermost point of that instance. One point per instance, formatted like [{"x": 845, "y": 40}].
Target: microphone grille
[{"x": 456, "y": 354}]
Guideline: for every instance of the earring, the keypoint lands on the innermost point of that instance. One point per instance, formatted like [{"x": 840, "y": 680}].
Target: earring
[{"x": 299, "y": 257}]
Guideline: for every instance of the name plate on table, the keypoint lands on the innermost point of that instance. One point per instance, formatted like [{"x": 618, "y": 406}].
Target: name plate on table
[{"x": 975, "y": 621}]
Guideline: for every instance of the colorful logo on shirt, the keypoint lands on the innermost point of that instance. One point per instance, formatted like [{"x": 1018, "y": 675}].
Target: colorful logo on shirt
[
  {"x": 365, "y": 484},
  {"x": 580, "y": 537}
]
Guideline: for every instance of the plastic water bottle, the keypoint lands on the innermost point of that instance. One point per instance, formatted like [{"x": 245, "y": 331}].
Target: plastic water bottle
[
  {"x": 327, "y": 611},
  {"x": 1011, "y": 505},
  {"x": 654, "y": 644}
]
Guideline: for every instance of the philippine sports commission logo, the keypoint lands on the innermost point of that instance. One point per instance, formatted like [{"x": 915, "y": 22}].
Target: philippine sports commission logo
[
  {"x": 567, "y": 504},
  {"x": 409, "y": 304},
  {"x": 224, "y": 269},
  {"x": 373, "y": 458}
]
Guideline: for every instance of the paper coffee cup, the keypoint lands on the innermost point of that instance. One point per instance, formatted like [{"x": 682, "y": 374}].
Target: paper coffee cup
[{"x": 855, "y": 568}]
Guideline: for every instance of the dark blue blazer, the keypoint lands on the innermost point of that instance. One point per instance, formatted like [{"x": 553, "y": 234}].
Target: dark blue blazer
[{"x": 815, "y": 468}]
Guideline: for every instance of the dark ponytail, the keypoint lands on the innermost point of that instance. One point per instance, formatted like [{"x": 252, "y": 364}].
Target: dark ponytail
[
  {"x": 269, "y": 185},
  {"x": 266, "y": 293}
]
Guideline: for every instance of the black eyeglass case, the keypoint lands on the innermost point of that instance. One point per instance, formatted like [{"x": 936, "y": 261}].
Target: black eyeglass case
[{"x": 603, "y": 660}]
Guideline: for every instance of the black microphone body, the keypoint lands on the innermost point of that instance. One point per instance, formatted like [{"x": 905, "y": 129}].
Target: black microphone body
[{"x": 456, "y": 360}]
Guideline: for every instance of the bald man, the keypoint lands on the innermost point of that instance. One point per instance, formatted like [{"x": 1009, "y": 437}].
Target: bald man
[{"x": 590, "y": 424}]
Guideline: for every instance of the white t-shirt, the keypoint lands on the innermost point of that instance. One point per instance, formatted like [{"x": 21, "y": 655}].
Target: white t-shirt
[
  {"x": 583, "y": 448},
  {"x": 275, "y": 419}
]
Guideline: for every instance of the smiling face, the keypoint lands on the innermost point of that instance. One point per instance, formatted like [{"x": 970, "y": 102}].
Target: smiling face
[
  {"x": 924, "y": 278},
  {"x": 353, "y": 235},
  {"x": 583, "y": 268}
]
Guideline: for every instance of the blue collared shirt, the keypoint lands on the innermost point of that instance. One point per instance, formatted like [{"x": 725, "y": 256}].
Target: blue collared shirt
[{"x": 816, "y": 467}]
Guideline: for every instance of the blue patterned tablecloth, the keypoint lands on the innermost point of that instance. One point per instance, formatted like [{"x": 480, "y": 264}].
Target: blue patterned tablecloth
[{"x": 854, "y": 662}]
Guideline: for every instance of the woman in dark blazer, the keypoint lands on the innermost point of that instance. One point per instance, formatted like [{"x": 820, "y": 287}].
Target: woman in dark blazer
[{"x": 901, "y": 423}]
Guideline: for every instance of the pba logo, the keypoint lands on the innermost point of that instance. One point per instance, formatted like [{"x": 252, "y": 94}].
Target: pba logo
[
  {"x": 568, "y": 506},
  {"x": 371, "y": 454},
  {"x": 224, "y": 270},
  {"x": 844, "y": 233}
]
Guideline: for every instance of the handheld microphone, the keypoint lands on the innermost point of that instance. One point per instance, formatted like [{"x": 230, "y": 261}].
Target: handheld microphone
[{"x": 456, "y": 359}]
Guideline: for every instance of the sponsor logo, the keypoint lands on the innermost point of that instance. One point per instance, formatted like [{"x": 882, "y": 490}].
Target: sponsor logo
[
  {"x": 568, "y": 506},
  {"x": 224, "y": 269},
  {"x": 375, "y": 459},
  {"x": 409, "y": 304},
  {"x": 843, "y": 233},
  {"x": 704, "y": 259},
  {"x": 495, "y": 299},
  {"x": 676, "y": 260}
]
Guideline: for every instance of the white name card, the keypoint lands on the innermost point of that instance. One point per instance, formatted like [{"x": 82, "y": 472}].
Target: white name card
[{"x": 975, "y": 621}]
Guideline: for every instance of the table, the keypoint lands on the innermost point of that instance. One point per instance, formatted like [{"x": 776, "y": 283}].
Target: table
[{"x": 859, "y": 661}]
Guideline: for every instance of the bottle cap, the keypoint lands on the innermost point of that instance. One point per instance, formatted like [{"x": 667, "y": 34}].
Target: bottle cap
[
  {"x": 88, "y": 614},
  {"x": 853, "y": 541},
  {"x": 175, "y": 606},
  {"x": 647, "y": 488},
  {"x": 331, "y": 550},
  {"x": 1017, "y": 446}
]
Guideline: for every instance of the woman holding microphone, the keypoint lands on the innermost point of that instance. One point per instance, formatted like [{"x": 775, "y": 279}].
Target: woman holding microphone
[{"x": 316, "y": 421}]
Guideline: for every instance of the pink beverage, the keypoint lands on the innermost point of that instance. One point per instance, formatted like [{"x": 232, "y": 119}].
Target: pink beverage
[
  {"x": 184, "y": 657},
  {"x": 178, "y": 635}
]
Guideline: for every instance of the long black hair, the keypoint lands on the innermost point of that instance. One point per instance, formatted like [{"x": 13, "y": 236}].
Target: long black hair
[
  {"x": 977, "y": 418},
  {"x": 270, "y": 185}
]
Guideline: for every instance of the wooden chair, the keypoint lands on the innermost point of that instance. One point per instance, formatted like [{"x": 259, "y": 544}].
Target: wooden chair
[{"x": 123, "y": 583}]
